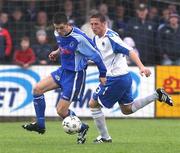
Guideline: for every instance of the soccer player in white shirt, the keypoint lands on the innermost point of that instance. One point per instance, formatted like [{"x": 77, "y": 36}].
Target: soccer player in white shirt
[{"x": 119, "y": 81}]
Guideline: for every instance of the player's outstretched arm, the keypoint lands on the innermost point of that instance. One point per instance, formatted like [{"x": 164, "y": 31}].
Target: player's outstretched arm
[{"x": 143, "y": 70}]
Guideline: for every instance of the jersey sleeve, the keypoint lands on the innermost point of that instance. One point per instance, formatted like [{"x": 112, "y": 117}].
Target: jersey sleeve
[
  {"x": 118, "y": 45},
  {"x": 87, "y": 48}
]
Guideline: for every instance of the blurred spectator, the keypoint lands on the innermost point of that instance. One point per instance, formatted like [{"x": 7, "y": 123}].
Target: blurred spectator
[
  {"x": 87, "y": 26},
  {"x": 68, "y": 9},
  {"x": 42, "y": 49},
  {"x": 172, "y": 8},
  {"x": 4, "y": 19},
  {"x": 31, "y": 11},
  {"x": 120, "y": 21},
  {"x": 71, "y": 14},
  {"x": 142, "y": 31},
  {"x": 168, "y": 41},
  {"x": 103, "y": 9},
  {"x": 130, "y": 42},
  {"x": 153, "y": 12},
  {"x": 1, "y": 4},
  {"x": 9, "y": 5},
  {"x": 5, "y": 45},
  {"x": 137, "y": 2},
  {"x": 18, "y": 27},
  {"x": 81, "y": 6},
  {"x": 153, "y": 16},
  {"x": 42, "y": 24},
  {"x": 49, "y": 6},
  {"x": 24, "y": 55},
  {"x": 164, "y": 18}
]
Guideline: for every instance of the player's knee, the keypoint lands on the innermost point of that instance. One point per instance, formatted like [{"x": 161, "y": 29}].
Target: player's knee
[
  {"x": 126, "y": 110},
  {"x": 37, "y": 90},
  {"x": 93, "y": 103}
]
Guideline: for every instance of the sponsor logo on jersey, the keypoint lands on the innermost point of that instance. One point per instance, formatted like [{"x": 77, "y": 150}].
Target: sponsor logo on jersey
[{"x": 64, "y": 51}]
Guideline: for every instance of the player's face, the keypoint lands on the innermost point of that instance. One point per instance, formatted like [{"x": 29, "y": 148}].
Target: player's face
[
  {"x": 97, "y": 26},
  {"x": 62, "y": 29}
]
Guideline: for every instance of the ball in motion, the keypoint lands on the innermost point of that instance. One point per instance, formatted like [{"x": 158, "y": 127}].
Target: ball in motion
[{"x": 71, "y": 124}]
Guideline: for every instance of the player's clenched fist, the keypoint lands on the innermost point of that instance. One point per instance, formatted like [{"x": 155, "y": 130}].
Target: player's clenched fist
[{"x": 145, "y": 71}]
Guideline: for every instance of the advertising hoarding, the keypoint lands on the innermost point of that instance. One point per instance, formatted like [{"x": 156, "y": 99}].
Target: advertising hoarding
[{"x": 16, "y": 86}]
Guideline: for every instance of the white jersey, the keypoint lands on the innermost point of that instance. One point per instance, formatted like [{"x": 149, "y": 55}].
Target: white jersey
[{"x": 114, "y": 52}]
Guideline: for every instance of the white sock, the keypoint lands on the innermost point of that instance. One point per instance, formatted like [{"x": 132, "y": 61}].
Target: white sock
[
  {"x": 100, "y": 122},
  {"x": 140, "y": 103}
]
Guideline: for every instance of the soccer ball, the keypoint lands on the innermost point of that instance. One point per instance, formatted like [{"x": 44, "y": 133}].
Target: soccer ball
[{"x": 71, "y": 124}]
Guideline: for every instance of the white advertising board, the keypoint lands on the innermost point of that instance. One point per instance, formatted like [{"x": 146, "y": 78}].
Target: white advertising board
[{"x": 16, "y": 86}]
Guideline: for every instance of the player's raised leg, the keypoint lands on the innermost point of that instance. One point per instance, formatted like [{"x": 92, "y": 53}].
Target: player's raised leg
[
  {"x": 159, "y": 94},
  {"x": 39, "y": 104}
]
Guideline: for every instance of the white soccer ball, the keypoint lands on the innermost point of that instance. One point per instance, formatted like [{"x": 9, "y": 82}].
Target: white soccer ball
[{"x": 71, "y": 124}]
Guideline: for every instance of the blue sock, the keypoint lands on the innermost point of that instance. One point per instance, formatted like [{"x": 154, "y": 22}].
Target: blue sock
[
  {"x": 83, "y": 126},
  {"x": 39, "y": 105},
  {"x": 70, "y": 112}
]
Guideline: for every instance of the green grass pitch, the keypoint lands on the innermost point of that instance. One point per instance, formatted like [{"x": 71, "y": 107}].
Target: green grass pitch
[{"x": 129, "y": 136}]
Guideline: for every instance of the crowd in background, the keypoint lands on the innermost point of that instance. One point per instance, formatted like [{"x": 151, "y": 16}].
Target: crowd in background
[{"x": 27, "y": 34}]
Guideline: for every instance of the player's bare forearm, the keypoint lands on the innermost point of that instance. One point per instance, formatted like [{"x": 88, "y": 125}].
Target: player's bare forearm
[
  {"x": 56, "y": 51},
  {"x": 134, "y": 57},
  {"x": 143, "y": 70}
]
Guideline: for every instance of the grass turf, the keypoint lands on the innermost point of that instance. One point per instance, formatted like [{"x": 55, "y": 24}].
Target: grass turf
[{"x": 129, "y": 136}]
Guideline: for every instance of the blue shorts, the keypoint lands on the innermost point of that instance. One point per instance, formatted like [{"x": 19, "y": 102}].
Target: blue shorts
[
  {"x": 72, "y": 83},
  {"x": 117, "y": 89}
]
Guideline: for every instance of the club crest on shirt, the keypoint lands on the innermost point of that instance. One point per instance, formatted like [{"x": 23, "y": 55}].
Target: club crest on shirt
[
  {"x": 72, "y": 44},
  {"x": 103, "y": 43},
  {"x": 57, "y": 77}
]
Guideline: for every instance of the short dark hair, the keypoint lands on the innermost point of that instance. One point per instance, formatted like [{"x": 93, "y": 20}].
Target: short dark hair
[
  {"x": 99, "y": 16},
  {"x": 60, "y": 18},
  {"x": 25, "y": 38}
]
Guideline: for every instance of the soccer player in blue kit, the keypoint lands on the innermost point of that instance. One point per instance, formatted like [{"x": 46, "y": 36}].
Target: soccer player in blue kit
[
  {"x": 119, "y": 81},
  {"x": 75, "y": 49}
]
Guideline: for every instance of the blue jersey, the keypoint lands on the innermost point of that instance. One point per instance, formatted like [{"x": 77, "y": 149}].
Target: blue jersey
[{"x": 76, "y": 49}]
